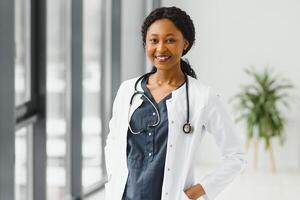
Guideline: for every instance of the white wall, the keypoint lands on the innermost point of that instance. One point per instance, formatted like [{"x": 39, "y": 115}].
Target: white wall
[
  {"x": 132, "y": 53},
  {"x": 232, "y": 35}
]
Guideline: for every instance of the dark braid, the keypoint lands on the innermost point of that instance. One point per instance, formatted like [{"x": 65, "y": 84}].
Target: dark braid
[
  {"x": 187, "y": 69},
  {"x": 182, "y": 21}
]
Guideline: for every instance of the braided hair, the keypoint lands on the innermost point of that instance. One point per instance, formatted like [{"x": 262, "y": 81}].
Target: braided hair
[{"x": 183, "y": 22}]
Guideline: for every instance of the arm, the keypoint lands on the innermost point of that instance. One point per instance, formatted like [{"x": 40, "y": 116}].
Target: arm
[
  {"x": 219, "y": 124},
  {"x": 111, "y": 137}
]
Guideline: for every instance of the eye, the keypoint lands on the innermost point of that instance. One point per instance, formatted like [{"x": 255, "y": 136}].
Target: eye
[
  {"x": 170, "y": 40},
  {"x": 153, "y": 40}
]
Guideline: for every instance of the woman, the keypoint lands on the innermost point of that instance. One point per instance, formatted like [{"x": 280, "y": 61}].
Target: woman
[{"x": 159, "y": 120}]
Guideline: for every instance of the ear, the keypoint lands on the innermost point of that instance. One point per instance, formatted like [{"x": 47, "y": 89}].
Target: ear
[{"x": 186, "y": 44}]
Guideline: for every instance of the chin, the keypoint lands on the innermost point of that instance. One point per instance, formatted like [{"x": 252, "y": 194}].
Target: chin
[{"x": 163, "y": 67}]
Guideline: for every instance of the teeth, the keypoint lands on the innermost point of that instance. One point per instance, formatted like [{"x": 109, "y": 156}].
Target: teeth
[{"x": 162, "y": 58}]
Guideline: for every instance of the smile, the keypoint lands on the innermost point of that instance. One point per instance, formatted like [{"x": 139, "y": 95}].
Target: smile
[{"x": 162, "y": 58}]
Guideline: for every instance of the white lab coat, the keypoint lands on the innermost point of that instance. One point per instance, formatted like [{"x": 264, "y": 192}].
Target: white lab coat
[{"x": 206, "y": 112}]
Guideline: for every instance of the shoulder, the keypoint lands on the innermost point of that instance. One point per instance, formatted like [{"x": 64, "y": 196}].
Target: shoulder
[
  {"x": 128, "y": 84},
  {"x": 199, "y": 88},
  {"x": 198, "y": 84},
  {"x": 126, "y": 87},
  {"x": 203, "y": 91}
]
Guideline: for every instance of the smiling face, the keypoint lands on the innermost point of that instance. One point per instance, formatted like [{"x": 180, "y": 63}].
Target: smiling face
[{"x": 164, "y": 44}]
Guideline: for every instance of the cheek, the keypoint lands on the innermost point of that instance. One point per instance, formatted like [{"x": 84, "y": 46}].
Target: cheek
[
  {"x": 177, "y": 52},
  {"x": 180, "y": 52},
  {"x": 149, "y": 51}
]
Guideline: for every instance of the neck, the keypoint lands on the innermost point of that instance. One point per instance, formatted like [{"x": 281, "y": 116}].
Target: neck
[{"x": 174, "y": 77}]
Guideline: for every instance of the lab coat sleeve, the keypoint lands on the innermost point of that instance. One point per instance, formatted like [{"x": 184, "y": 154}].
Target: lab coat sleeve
[
  {"x": 219, "y": 124},
  {"x": 111, "y": 137}
]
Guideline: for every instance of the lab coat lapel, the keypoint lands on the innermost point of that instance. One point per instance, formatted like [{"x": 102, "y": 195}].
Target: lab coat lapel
[
  {"x": 137, "y": 101},
  {"x": 179, "y": 104}
]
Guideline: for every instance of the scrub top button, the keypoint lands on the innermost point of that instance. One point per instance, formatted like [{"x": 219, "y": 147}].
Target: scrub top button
[
  {"x": 153, "y": 113},
  {"x": 149, "y": 134},
  {"x": 150, "y": 154}
]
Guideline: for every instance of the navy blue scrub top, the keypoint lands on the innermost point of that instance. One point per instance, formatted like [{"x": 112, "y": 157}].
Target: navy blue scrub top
[{"x": 146, "y": 152}]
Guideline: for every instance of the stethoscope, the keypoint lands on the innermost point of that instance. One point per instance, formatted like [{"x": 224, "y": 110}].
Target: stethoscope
[{"x": 187, "y": 128}]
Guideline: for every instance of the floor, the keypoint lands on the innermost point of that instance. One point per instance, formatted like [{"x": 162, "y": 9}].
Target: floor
[{"x": 256, "y": 185}]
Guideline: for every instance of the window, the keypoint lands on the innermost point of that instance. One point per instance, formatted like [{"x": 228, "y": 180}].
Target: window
[
  {"x": 22, "y": 48},
  {"x": 22, "y": 164},
  {"x": 42, "y": 39},
  {"x": 22, "y": 95},
  {"x": 58, "y": 59},
  {"x": 92, "y": 172}
]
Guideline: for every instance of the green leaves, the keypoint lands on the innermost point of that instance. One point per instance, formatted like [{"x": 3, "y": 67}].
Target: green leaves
[{"x": 257, "y": 104}]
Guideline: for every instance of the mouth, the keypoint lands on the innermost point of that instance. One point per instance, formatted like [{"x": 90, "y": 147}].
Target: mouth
[{"x": 162, "y": 58}]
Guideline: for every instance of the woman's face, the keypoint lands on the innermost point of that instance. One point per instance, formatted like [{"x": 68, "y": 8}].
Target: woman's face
[{"x": 164, "y": 44}]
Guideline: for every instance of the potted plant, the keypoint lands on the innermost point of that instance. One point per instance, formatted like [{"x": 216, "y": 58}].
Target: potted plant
[{"x": 258, "y": 106}]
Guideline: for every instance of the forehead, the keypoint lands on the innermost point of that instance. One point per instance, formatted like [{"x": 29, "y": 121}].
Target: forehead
[{"x": 163, "y": 27}]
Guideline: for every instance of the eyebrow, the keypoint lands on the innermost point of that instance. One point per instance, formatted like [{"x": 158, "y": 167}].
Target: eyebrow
[{"x": 169, "y": 34}]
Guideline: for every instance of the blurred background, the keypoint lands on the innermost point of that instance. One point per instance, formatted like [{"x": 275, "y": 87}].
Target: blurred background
[{"x": 62, "y": 62}]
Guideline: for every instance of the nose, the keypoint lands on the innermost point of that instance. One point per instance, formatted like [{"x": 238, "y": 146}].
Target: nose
[{"x": 161, "y": 47}]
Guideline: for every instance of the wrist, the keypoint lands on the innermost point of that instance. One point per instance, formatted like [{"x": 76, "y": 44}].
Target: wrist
[{"x": 195, "y": 191}]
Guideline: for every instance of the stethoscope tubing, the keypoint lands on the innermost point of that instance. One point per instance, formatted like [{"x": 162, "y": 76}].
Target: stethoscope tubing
[
  {"x": 156, "y": 110},
  {"x": 187, "y": 128}
]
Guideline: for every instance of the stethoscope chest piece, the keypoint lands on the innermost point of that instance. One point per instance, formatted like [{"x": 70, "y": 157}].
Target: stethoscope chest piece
[{"x": 187, "y": 128}]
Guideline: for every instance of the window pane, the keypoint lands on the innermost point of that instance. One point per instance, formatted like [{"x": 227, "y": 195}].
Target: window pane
[
  {"x": 58, "y": 54},
  {"x": 22, "y": 163},
  {"x": 22, "y": 57},
  {"x": 91, "y": 149}
]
